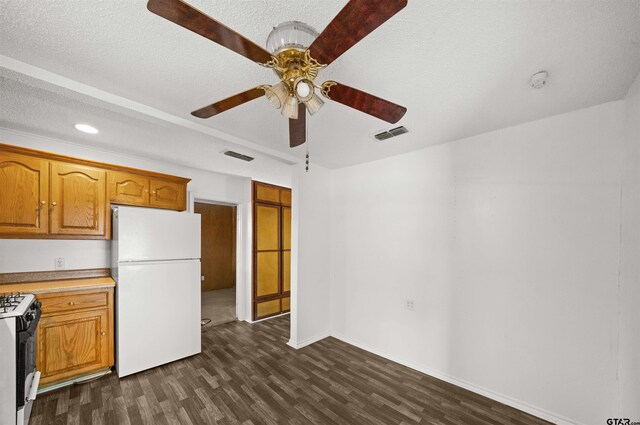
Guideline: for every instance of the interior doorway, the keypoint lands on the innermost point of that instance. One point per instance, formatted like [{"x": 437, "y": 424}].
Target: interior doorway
[{"x": 218, "y": 262}]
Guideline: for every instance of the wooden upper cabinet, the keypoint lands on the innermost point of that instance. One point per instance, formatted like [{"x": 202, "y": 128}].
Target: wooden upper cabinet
[
  {"x": 167, "y": 194},
  {"x": 136, "y": 189},
  {"x": 128, "y": 188},
  {"x": 49, "y": 196},
  {"x": 24, "y": 189},
  {"x": 78, "y": 200}
]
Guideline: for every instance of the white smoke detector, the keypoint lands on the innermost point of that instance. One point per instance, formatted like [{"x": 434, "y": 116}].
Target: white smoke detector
[{"x": 539, "y": 79}]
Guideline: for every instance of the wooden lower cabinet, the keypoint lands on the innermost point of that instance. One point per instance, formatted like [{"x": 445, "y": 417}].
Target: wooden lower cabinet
[{"x": 75, "y": 334}]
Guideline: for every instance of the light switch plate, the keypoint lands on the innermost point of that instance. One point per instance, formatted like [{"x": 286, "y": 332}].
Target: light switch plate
[{"x": 60, "y": 264}]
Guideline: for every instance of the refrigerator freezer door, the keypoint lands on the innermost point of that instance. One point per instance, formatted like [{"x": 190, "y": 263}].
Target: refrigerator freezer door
[
  {"x": 157, "y": 315},
  {"x": 145, "y": 234}
]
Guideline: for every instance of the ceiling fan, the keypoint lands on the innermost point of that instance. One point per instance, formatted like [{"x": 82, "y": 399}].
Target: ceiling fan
[{"x": 297, "y": 54}]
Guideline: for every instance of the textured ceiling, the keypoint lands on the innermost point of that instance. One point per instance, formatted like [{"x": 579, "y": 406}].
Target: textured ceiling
[
  {"x": 460, "y": 67},
  {"x": 32, "y": 106}
]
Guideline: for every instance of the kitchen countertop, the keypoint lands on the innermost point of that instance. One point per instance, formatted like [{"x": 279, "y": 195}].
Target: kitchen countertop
[{"x": 57, "y": 285}]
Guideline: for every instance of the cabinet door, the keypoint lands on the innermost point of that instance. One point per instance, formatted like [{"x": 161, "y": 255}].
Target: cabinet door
[
  {"x": 73, "y": 344},
  {"x": 24, "y": 184},
  {"x": 167, "y": 194},
  {"x": 128, "y": 188},
  {"x": 78, "y": 200}
]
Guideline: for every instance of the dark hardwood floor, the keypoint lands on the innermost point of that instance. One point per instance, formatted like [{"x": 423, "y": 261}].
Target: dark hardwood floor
[{"x": 247, "y": 375}]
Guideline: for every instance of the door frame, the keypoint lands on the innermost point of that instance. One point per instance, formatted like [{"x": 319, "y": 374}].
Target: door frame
[{"x": 241, "y": 284}]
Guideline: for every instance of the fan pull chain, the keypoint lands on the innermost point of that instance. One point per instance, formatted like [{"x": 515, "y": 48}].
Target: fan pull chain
[{"x": 306, "y": 137}]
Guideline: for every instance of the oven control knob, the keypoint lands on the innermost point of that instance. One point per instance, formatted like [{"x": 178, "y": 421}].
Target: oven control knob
[
  {"x": 30, "y": 316},
  {"x": 36, "y": 305}
]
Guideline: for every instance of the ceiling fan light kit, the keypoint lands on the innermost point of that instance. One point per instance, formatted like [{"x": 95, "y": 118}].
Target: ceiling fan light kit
[
  {"x": 296, "y": 53},
  {"x": 290, "y": 108},
  {"x": 292, "y": 34},
  {"x": 314, "y": 104}
]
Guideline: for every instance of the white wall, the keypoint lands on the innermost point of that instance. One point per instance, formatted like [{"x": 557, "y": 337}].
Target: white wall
[
  {"x": 310, "y": 255},
  {"x": 629, "y": 369},
  {"x": 38, "y": 255},
  {"x": 508, "y": 244}
]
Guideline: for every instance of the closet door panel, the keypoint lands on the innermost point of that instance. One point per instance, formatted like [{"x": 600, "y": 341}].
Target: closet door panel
[
  {"x": 267, "y": 274},
  {"x": 267, "y": 228},
  {"x": 266, "y": 193},
  {"x": 286, "y": 304},
  {"x": 286, "y": 228},
  {"x": 286, "y": 271},
  {"x": 272, "y": 250},
  {"x": 267, "y": 308}
]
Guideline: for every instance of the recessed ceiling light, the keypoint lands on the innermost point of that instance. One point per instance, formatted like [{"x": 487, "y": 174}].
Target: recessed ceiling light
[{"x": 86, "y": 128}]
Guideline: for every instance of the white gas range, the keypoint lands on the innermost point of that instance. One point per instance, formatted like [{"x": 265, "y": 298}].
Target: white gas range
[{"x": 19, "y": 316}]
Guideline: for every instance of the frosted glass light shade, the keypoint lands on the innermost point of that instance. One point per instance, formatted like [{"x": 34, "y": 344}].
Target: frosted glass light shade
[
  {"x": 292, "y": 34},
  {"x": 282, "y": 91},
  {"x": 314, "y": 104},
  {"x": 272, "y": 97},
  {"x": 290, "y": 108}
]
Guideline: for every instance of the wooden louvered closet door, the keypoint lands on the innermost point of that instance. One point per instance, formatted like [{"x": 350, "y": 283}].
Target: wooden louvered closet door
[{"x": 271, "y": 250}]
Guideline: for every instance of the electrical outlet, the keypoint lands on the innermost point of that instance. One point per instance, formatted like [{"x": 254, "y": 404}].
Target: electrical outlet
[
  {"x": 408, "y": 305},
  {"x": 60, "y": 264},
  {"x": 202, "y": 278}
]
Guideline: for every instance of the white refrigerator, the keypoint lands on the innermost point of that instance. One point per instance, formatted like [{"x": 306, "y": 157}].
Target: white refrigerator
[{"x": 155, "y": 261}]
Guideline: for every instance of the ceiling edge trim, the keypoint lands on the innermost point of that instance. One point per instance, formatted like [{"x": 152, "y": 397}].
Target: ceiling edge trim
[{"x": 87, "y": 90}]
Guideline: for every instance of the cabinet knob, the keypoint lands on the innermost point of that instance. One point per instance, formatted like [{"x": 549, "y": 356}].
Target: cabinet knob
[
  {"x": 42, "y": 202},
  {"x": 153, "y": 192},
  {"x": 71, "y": 303},
  {"x": 103, "y": 333},
  {"x": 54, "y": 203}
]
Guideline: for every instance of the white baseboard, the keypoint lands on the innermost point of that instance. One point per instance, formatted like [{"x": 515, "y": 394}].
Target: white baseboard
[
  {"x": 299, "y": 344},
  {"x": 517, "y": 404}
]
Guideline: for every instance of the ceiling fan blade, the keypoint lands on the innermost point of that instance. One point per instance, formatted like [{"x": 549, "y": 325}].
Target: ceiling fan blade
[
  {"x": 365, "y": 102},
  {"x": 353, "y": 23},
  {"x": 298, "y": 128},
  {"x": 183, "y": 14},
  {"x": 228, "y": 103}
]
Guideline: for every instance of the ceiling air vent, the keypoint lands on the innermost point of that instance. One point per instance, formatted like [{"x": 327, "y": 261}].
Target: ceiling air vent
[
  {"x": 391, "y": 133},
  {"x": 238, "y": 156}
]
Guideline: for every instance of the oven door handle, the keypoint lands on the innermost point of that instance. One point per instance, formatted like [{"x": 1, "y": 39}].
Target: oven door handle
[
  {"x": 33, "y": 391},
  {"x": 34, "y": 324}
]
